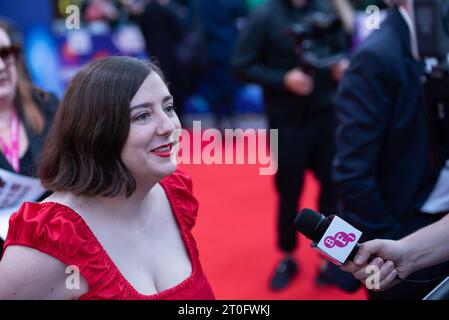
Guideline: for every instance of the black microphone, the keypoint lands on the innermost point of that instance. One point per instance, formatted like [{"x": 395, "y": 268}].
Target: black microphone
[{"x": 330, "y": 241}]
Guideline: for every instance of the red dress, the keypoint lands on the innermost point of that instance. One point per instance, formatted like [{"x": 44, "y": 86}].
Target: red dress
[{"x": 60, "y": 232}]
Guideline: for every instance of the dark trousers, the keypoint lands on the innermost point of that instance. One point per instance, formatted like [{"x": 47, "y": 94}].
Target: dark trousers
[{"x": 302, "y": 145}]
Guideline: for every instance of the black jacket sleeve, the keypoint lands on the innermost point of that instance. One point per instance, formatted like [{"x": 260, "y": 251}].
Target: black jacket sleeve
[{"x": 364, "y": 106}]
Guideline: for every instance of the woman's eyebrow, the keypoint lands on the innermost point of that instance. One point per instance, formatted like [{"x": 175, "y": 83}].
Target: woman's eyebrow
[
  {"x": 149, "y": 104},
  {"x": 142, "y": 105}
]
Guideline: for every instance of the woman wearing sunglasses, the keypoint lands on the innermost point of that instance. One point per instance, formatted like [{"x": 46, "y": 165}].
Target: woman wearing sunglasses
[{"x": 25, "y": 116}]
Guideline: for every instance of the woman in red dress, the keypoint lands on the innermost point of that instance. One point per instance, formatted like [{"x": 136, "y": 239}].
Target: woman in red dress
[{"x": 118, "y": 225}]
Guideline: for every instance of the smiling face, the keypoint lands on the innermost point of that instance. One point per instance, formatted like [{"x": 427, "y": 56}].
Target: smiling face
[
  {"x": 8, "y": 72},
  {"x": 151, "y": 146}
]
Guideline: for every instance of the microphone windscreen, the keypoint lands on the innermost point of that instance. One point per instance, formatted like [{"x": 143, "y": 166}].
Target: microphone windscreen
[{"x": 307, "y": 222}]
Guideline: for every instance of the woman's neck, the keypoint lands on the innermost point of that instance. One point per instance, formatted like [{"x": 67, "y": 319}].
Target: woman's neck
[
  {"x": 123, "y": 205},
  {"x": 132, "y": 210}
]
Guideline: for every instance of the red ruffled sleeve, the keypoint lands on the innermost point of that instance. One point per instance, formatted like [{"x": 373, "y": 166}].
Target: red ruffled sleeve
[
  {"x": 48, "y": 228},
  {"x": 58, "y": 231},
  {"x": 179, "y": 189}
]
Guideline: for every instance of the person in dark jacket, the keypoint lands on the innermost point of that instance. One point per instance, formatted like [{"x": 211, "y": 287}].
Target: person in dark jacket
[
  {"x": 298, "y": 105},
  {"x": 382, "y": 168},
  {"x": 25, "y": 112}
]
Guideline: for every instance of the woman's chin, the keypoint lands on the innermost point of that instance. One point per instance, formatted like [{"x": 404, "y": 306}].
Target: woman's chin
[
  {"x": 171, "y": 168},
  {"x": 165, "y": 170}
]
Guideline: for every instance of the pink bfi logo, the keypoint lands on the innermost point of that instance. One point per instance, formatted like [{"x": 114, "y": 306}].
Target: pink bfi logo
[{"x": 341, "y": 240}]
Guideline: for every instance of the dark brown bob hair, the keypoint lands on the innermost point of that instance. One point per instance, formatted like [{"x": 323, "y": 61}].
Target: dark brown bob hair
[{"x": 82, "y": 153}]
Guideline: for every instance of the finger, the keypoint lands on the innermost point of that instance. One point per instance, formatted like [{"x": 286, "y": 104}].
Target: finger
[
  {"x": 379, "y": 275},
  {"x": 367, "y": 270},
  {"x": 350, "y": 267},
  {"x": 386, "y": 269},
  {"x": 367, "y": 250},
  {"x": 388, "y": 281}
]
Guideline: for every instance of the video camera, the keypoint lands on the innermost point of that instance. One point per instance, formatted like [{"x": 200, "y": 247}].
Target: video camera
[
  {"x": 314, "y": 37},
  {"x": 432, "y": 32}
]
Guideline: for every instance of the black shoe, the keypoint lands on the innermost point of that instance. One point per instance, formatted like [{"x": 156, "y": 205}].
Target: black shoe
[{"x": 285, "y": 271}]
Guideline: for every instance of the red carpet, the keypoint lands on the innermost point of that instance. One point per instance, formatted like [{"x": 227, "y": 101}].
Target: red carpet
[{"x": 235, "y": 232}]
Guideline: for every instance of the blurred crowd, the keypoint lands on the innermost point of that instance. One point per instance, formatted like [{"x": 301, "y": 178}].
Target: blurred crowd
[{"x": 192, "y": 40}]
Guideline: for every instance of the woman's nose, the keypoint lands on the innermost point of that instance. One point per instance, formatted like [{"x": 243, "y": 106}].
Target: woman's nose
[{"x": 166, "y": 125}]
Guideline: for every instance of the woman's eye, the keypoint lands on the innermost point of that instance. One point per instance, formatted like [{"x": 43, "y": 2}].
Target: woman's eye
[
  {"x": 143, "y": 116},
  {"x": 170, "y": 109}
]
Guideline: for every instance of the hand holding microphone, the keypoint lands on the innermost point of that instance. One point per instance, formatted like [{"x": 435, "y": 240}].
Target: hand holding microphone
[
  {"x": 337, "y": 240},
  {"x": 391, "y": 262}
]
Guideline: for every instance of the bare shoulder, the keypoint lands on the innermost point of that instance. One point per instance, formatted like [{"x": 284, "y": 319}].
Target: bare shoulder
[{"x": 26, "y": 273}]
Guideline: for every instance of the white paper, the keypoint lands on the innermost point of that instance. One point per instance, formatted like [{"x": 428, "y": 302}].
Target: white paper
[
  {"x": 16, "y": 189},
  {"x": 5, "y": 214}
]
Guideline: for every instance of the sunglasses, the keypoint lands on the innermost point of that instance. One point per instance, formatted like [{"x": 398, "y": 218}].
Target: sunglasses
[{"x": 9, "y": 54}]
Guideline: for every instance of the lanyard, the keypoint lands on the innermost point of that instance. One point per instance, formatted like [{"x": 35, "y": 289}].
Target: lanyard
[{"x": 12, "y": 152}]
